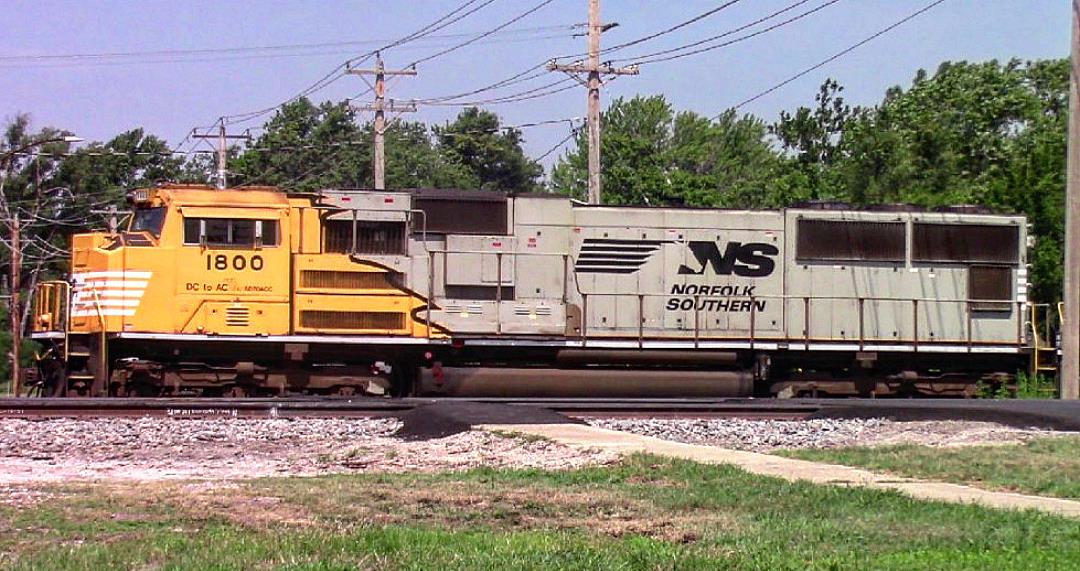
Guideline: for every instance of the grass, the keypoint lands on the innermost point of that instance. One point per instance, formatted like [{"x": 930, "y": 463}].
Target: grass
[
  {"x": 1044, "y": 466},
  {"x": 644, "y": 513}
]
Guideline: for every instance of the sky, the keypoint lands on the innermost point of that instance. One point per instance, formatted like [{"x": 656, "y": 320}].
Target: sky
[{"x": 169, "y": 95}]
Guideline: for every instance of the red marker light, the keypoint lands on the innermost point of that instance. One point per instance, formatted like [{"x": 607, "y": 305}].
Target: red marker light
[{"x": 388, "y": 200}]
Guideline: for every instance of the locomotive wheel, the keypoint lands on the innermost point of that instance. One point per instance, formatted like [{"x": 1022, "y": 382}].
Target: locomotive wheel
[
  {"x": 346, "y": 391},
  {"x": 236, "y": 392}
]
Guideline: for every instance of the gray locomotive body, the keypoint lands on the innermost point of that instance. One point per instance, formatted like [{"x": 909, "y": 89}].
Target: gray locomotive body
[{"x": 791, "y": 302}]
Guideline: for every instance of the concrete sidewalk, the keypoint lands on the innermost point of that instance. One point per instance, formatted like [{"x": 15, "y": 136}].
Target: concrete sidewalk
[{"x": 787, "y": 468}]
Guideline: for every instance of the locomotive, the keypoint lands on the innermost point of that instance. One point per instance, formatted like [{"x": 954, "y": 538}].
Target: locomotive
[{"x": 255, "y": 291}]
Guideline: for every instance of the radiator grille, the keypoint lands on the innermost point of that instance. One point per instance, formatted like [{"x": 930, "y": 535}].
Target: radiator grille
[
  {"x": 850, "y": 241},
  {"x": 989, "y": 284},
  {"x": 237, "y": 316},
  {"x": 966, "y": 243},
  {"x": 317, "y": 319},
  {"x": 330, "y": 279}
]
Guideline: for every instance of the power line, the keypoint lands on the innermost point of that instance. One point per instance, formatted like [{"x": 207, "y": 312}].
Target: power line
[
  {"x": 336, "y": 73},
  {"x": 838, "y": 54},
  {"x": 247, "y": 57},
  {"x": 517, "y": 78},
  {"x": 666, "y": 31},
  {"x": 649, "y": 58},
  {"x": 81, "y": 57},
  {"x": 494, "y": 30},
  {"x": 282, "y": 148},
  {"x": 439, "y": 24},
  {"x": 573, "y": 133},
  {"x": 512, "y": 98},
  {"x": 724, "y": 34}
]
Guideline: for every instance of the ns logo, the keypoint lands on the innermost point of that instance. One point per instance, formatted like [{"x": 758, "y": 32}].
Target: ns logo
[{"x": 752, "y": 260}]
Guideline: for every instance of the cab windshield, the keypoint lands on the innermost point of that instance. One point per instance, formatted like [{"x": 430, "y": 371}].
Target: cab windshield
[{"x": 148, "y": 220}]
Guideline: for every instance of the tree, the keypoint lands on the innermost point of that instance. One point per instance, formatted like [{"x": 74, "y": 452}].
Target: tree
[
  {"x": 651, "y": 155},
  {"x": 493, "y": 155},
  {"x": 972, "y": 133},
  {"x": 305, "y": 147},
  {"x": 813, "y": 136}
]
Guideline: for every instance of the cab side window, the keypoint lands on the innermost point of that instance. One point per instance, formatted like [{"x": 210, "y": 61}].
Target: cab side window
[{"x": 230, "y": 232}]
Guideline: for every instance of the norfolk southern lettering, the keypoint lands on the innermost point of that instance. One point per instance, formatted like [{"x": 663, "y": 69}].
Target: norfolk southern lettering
[{"x": 752, "y": 260}]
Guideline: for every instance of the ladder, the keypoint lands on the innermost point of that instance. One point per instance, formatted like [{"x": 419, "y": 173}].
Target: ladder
[
  {"x": 1043, "y": 351},
  {"x": 81, "y": 372}
]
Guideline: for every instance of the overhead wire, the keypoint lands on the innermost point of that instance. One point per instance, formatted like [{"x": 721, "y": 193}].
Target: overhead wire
[
  {"x": 671, "y": 29},
  {"x": 573, "y": 133},
  {"x": 257, "y": 56},
  {"x": 478, "y": 37},
  {"x": 337, "y": 73},
  {"x": 81, "y": 57},
  {"x": 678, "y": 52},
  {"x": 838, "y": 54}
]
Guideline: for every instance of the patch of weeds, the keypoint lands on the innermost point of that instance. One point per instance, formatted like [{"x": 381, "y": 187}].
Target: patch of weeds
[{"x": 520, "y": 436}]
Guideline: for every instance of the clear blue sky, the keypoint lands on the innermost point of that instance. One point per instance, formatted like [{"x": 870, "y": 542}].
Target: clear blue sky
[{"x": 168, "y": 98}]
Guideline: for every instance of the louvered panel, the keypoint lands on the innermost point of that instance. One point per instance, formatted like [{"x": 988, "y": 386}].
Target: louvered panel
[
  {"x": 966, "y": 243},
  {"x": 321, "y": 319},
  {"x": 237, "y": 316},
  {"x": 850, "y": 241},
  {"x": 331, "y": 279}
]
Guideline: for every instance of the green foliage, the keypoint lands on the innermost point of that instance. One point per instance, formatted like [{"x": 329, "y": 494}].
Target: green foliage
[
  {"x": 492, "y": 155},
  {"x": 1035, "y": 386},
  {"x": 653, "y": 155},
  {"x": 305, "y": 147}
]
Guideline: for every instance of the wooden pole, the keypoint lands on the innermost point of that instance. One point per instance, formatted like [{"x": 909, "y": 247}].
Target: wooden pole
[
  {"x": 1070, "y": 327},
  {"x": 594, "y": 70},
  {"x": 380, "y": 108}
]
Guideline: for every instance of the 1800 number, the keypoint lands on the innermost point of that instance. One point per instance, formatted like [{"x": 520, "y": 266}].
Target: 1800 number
[{"x": 238, "y": 262}]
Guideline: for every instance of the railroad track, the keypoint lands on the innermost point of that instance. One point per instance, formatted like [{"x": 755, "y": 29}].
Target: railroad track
[
  {"x": 310, "y": 407},
  {"x": 1052, "y": 414}
]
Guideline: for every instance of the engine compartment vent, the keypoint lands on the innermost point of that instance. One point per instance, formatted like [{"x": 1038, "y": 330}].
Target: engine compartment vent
[
  {"x": 332, "y": 279},
  {"x": 237, "y": 316},
  {"x": 322, "y": 319}
]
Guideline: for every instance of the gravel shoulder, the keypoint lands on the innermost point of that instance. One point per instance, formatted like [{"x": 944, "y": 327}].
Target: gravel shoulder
[
  {"x": 62, "y": 450},
  {"x": 770, "y": 435}
]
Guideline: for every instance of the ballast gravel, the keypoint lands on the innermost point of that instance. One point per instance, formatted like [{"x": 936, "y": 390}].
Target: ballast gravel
[
  {"x": 769, "y": 435},
  {"x": 55, "y": 450}
]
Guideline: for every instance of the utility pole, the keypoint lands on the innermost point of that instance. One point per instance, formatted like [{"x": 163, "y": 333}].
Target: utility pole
[
  {"x": 1070, "y": 323},
  {"x": 16, "y": 309},
  {"x": 221, "y": 180},
  {"x": 594, "y": 71},
  {"x": 380, "y": 107}
]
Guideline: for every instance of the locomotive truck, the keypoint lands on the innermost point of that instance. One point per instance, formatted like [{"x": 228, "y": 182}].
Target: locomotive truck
[{"x": 255, "y": 291}]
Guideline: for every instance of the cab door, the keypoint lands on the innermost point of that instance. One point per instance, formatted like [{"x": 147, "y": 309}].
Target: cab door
[{"x": 233, "y": 271}]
